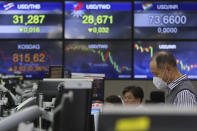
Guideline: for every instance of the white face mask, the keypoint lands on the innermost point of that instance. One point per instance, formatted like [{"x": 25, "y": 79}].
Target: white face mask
[{"x": 159, "y": 83}]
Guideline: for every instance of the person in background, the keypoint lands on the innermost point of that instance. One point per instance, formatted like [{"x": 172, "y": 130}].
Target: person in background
[
  {"x": 156, "y": 97},
  {"x": 113, "y": 99},
  {"x": 167, "y": 76},
  {"x": 133, "y": 95}
]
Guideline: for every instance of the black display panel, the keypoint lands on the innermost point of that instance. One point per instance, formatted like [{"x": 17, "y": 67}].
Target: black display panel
[
  {"x": 184, "y": 52},
  {"x": 29, "y": 58},
  {"x": 31, "y": 20},
  {"x": 103, "y": 20},
  {"x": 112, "y": 58},
  {"x": 156, "y": 119},
  {"x": 165, "y": 20}
]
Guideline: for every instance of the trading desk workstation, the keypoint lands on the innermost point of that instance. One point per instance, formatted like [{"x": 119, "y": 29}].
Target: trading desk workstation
[{"x": 56, "y": 55}]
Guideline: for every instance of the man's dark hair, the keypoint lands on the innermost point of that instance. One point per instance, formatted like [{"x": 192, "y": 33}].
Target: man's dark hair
[
  {"x": 113, "y": 99},
  {"x": 135, "y": 90},
  {"x": 163, "y": 58}
]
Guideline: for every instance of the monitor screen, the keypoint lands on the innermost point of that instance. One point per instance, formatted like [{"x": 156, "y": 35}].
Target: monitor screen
[
  {"x": 112, "y": 58},
  {"x": 97, "y": 20},
  {"x": 184, "y": 52},
  {"x": 75, "y": 109},
  {"x": 165, "y": 20},
  {"x": 96, "y": 107},
  {"x": 147, "y": 118},
  {"x": 56, "y": 71},
  {"x": 49, "y": 89},
  {"x": 31, "y": 20},
  {"x": 31, "y": 58}
]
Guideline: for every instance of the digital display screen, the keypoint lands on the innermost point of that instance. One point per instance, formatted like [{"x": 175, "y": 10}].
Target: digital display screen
[
  {"x": 165, "y": 20},
  {"x": 96, "y": 107},
  {"x": 31, "y": 59},
  {"x": 97, "y": 20},
  {"x": 184, "y": 52},
  {"x": 30, "y": 20},
  {"x": 112, "y": 58}
]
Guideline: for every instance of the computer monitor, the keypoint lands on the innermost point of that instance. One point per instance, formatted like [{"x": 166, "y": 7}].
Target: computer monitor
[
  {"x": 56, "y": 71},
  {"x": 152, "y": 118},
  {"x": 96, "y": 107},
  {"x": 49, "y": 88},
  {"x": 74, "y": 114},
  {"x": 98, "y": 84}
]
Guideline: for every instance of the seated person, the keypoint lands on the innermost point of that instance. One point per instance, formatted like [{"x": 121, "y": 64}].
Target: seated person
[
  {"x": 156, "y": 97},
  {"x": 133, "y": 95},
  {"x": 113, "y": 99}
]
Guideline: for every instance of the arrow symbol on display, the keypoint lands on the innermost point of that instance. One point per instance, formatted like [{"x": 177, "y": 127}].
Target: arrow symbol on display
[
  {"x": 90, "y": 29},
  {"x": 21, "y": 29}
]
